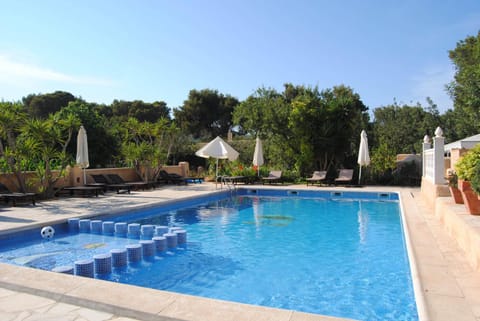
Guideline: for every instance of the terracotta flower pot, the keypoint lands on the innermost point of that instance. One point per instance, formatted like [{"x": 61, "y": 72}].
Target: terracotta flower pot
[
  {"x": 470, "y": 198},
  {"x": 456, "y": 194}
]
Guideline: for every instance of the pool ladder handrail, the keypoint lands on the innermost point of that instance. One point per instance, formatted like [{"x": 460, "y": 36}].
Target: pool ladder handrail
[{"x": 229, "y": 183}]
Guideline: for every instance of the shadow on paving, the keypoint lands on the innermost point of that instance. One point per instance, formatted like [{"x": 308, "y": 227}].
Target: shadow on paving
[{"x": 14, "y": 219}]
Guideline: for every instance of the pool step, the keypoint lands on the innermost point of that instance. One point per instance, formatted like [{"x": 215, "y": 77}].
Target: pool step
[{"x": 154, "y": 240}]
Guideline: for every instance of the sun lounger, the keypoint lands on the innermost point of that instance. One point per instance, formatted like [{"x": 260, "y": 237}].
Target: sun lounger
[
  {"x": 117, "y": 179},
  {"x": 345, "y": 176},
  {"x": 7, "y": 196},
  {"x": 317, "y": 177},
  {"x": 236, "y": 179},
  {"x": 273, "y": 177},
  {"x": 101, "y": 180},
  {"x": 82, "y": 190},
  {"x": 169, "y": 178}
]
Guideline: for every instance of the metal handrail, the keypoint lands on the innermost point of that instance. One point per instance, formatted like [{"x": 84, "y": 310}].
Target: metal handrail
[{"x": 229, "y": 183}]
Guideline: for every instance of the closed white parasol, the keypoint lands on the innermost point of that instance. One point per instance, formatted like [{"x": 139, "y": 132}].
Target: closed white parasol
[
  {"x": 258, "y": 155},
  {"x": 82, "y": 152},
  {"x": 363, "y": 155}
]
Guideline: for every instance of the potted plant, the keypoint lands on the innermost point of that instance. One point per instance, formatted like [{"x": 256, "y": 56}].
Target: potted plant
[
  {"x": 466, "y": 169},
  {"x": 452, "y": 179},
  {"x": 475, "y": 180}
]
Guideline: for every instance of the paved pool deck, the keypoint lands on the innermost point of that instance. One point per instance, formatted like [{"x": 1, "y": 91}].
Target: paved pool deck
[{"x": 447, "y": 287}]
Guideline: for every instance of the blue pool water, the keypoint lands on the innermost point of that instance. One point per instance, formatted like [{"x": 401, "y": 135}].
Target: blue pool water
[{"x": 343, "y": 257}]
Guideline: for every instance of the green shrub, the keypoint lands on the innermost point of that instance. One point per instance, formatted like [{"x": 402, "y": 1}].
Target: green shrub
[
  {"x": 466, "y": 166},
  {"x": 475, "y": 180}
]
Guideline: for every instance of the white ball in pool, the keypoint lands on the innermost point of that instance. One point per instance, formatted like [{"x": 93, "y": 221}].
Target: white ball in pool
[{"x": 47, "y": 232}]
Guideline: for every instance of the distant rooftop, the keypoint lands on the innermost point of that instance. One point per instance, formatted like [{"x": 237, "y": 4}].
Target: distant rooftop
[{"x": 466, "y": 143}]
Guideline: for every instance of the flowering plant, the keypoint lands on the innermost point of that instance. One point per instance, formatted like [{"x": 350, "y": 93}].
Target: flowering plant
[{"x": 452, "y": 177}]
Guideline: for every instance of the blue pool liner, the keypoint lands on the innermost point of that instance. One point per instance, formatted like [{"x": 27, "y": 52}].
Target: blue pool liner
[
  {"x": 171, "y": 240},
  {"x": 160, "y": 243},
  {"x": 84, "y": 225},
  {"x": 148, "y": 248},
  {"x": 120, "y": 229},
  {"x": 96, "y": 226},
  {"x": 147, "y": 231},
  {"x": 133, "y": 231},
  {"x": 160, "y": 230},
  {"x": 134, "y": 252},
  {"x": 65, "y": 269},
  {"x": 103, "y": 263},
  {"x": 73, "y": 224},
  {"x": 119, "y": 257},
  {"x": 108, "y": 228},
  {"x": 84, "y": 268}
]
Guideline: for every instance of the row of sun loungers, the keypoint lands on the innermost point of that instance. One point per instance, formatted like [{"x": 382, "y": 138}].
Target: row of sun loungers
[
  {"x": 114, "y": 182},
  {"x": 7, "y": 196},
  {"x": 345, "y": 176}
]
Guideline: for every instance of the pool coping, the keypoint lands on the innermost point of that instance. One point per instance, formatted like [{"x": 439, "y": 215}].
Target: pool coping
[{"x": 434, "y": 291}]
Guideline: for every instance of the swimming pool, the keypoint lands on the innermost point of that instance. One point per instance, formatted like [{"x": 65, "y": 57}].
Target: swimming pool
[{"x": 273, "y": 252}]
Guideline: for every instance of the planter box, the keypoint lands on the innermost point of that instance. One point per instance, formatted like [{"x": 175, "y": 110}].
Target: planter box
[
  {"x": 470, "y": 198},
  {"x": 456, "y": 194}
]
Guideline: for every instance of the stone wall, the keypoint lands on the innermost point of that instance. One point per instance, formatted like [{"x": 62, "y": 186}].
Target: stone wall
[
  {"x": 74, "y": 176},
  {"x": 430, "y": 192}
]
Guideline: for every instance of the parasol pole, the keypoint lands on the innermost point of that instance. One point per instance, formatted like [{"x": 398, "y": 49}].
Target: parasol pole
[
  {"x": 216, "y": 175},
  {"x": 360, "y": 175}
]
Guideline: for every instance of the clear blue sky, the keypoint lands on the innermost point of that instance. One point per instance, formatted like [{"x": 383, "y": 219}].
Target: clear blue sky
[{"x": 159, "y": 50}]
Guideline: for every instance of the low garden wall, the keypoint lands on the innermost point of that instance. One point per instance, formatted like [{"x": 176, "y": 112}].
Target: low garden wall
[
  {"x": 462, "y": 227},
  {"x": 74, "y": 176},
  {"x": 430, "y": 192}
]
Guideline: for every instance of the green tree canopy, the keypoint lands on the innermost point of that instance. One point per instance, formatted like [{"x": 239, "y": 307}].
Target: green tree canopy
[
  {"x": 465, "y": 88},
  {"x": 43, "y": 105},
  {"x": 140, "y": 110},
  {"x": 206, "y": 114},
  {"x": 148, "y": 144},
  {"x": 402, "y": 128},
  {"x": 304, "y": 128},
  {"x": 103, "y": 141},
  {"x": 28, "y": 143}
]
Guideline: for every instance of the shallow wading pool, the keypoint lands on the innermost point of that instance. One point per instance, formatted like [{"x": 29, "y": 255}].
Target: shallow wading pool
[{"x": 334, "y": 253}]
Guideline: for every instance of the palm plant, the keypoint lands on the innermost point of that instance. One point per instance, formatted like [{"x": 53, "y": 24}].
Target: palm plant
[
  {"x": 148, "y": 144},
  {"x": 45, "y": 142}
]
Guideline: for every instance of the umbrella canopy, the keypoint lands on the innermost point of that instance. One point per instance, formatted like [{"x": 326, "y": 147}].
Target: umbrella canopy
[
  {"x": 363, "y": 155},
  {"x": 218, "y": 149},
  {"x": 82, "y": 151},
  {"x": 258, "y": 154}
]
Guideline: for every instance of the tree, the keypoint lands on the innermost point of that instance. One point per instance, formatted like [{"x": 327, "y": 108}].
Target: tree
[
  {"x": 43, "y": 105},
  {"x": 28, "y": 144},
  {"x": 465, "y": 88},
  {"x": 140, "y": 110},
  {"x": 104, "y": 147},
  {"x": 45, "y": 144},
  {"x": 146, "y": 144},
  {"x": 303, "y": 127},
  {"x": 402, "y": 128},
  {"x": 206, "y": 114},
  {"x": 12, "y": 118},
  {"x": 104, "y": 143}
]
